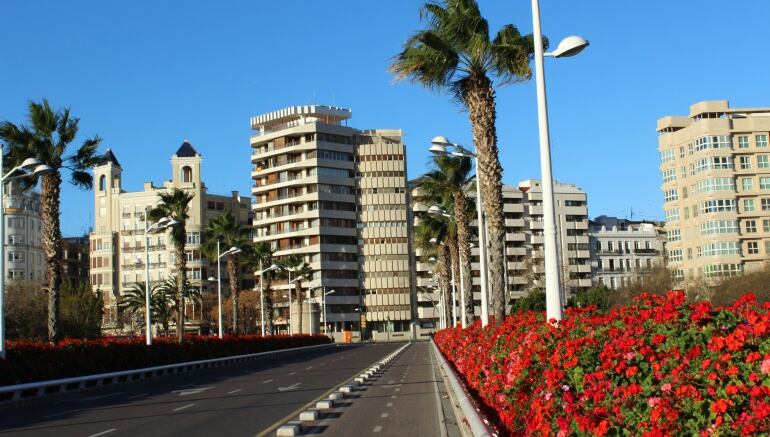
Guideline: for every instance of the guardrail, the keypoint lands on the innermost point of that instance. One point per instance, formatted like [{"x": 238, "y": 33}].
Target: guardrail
[
  {"x": 12, "y": 393},
  {"x": 473, "y": 418}
]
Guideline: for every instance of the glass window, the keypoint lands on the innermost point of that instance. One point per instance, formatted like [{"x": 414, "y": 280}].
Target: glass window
[
  {"x": 761, "y": 140},
  {"x": 670, "y": 195},
  {"x": 748, "y": 205},
  {"x": 766, "y": 225},
  {"x": 745, "y": 162},
  {"x": 743, "y": 142},
  {"x": 763, "y": 161},
  {"x": 753, "y": 247},
  {"x": 751, "y": 226},
  {"x": 766, "y": 204},
  {"x": 747, "y": 184},
  {"x": 764, "y": 183},
  {"x": 675, "y": 255}
]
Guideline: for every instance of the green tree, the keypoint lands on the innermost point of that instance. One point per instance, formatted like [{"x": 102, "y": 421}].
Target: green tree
[
  {"x": 456, "y": 53},
  {"x": 134, "y": 301},
  {"x": 533, "y": 301},
  {"x": 82, "y": 311},
  {"x": 299, "y": 270},
  {"x": 438, "y": 227},
  {"x": 175, "y": 205},
  {"x": 598, "y": 295},
  {"x": 47, "y": 139},
  {"x": 169, "y": 302},
  {"x": 225, "y": 230},
  {"x": 259, "y": 257}
]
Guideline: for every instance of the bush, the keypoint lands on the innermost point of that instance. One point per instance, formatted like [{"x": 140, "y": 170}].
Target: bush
[
  {"x": 657, "y": 367},
  {"x": 29, "y": 361}
]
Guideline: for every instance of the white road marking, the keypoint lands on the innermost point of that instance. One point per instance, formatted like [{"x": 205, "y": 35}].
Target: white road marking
[
  {"x": 308, "y": 368},
  {"x": 265, "y": 382},
  {"x": 60, "y": 413},
  {"x": 137, "y": 396},
  {"x": 234, "y": 391},
  {"x": 192, "y": 391},
  {"x": 377, "y": 428},
  {"x": 292, "y": 373},
  {"x": 391, "y": 381},
  {"x": 291, "y": 387},
  {"x": 393, "y": 397},
  {"x": 184, "y": 407},
  {"x": 384, "y": 415},
  {"x": 102, "y": 433},
  {"x": 93, "y": 398},
  {"x": 398, "y": 389},
  {"x": 390, "y": 404}
]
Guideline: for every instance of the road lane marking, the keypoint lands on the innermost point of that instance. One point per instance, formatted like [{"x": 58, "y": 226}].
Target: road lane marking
[
  {"x": 308, "y": 368},
  {"x": 265, "y": 382},
  {"x": 292, "y": 373},
  {"x": 60, "y": 413},
  {"x": 384, "y": 415},
  {"x": 390, "y": 404},
  {"x": 377, "y": 428},
  {"x": 291, "y": 387},
  {"x": 93, "y": 398},
  {"x": 393, "y": 397},
  {"x": 137, "y": 396},
  {"x": 184, "y": 407},
  {"x": 192, "y": 391},
  {"x": 391, "y": 381},
  {"x": 103, "y": 432},
  {"x": 398, "y": 389},
  {"x": 234, "y": 391}
]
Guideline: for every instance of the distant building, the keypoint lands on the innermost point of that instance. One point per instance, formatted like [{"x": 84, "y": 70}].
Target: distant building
[
  {"x": 715, "y": 166},
  {"x": 622, "y": 249},
  {"x": 22, "y": 239},
  {"x": 75, "y": 259},
  {"x": 118, "y": 242}
]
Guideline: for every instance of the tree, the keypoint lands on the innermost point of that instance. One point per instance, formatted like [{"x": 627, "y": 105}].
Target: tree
[
  {"x": 533, "y": 301},
  {"x": 430, "y": 227},
  {"x": 134, "y": 301},
  {"x": 299, "y": 270},
  {"x": 448, "y": 185},
  {"x": 598, "y": 295},
  {"x": 82, "y": 311},
  {"x": 169, "y": 301},
  {"x": 456, "y": 53},
  {"x": 47, "y": 139},
  {"x": 225, "y": 230},
  {"x": 259, "y": 257},
  {"x": 174, "y": 205}
]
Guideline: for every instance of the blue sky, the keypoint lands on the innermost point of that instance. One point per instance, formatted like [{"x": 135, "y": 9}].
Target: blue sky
[{"x": 147, "y": 75}]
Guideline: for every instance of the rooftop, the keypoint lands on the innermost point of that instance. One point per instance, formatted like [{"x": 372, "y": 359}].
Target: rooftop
[
  {"x": 296, "y": 115},
  {"x": 186, "y": 150}
]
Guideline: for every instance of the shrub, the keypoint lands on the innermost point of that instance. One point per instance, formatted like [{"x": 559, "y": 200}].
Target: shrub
[{"x": 657, "y": 367}]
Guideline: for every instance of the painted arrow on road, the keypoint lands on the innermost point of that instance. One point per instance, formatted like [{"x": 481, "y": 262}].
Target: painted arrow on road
[
  {"x": 291, "y": 387},
  {"x": 191, "y": 391}
]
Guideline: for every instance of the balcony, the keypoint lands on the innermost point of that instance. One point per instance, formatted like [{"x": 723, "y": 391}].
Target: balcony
[{"x": 646, "y": 251}]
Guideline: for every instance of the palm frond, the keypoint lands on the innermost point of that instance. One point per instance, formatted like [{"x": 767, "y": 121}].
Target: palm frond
[
  {"x": 512, "y": 54},
  {"x": 82, "y": 179}
]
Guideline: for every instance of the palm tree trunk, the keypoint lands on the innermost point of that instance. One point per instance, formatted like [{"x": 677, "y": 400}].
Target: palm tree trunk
[
  {"x": 49, "y": 202},
  {"x": 443, "y": 271},
  {"x": 463, "y": 241},
  {"x": 181, "y": 268},
  {"x": 268, "y": 293},
  {"x": 480, "y": 100},
  {"x": 455, "y": 262},
  {"x": 298, "y": 292},
  {"x": 232, "y": 272}
]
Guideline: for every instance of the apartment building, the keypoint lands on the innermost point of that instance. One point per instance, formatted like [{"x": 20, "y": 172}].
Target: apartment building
[
  {"x": 75, "y": 259},
  {"x": 522, "y": 206},
  {"x": 715, "y": 167},
  {"x": 22, "y": 240},
  {"x": 337, "y": 196},
  {"x": 622, "y": 249},
  {"x": 117, "y": 244}
]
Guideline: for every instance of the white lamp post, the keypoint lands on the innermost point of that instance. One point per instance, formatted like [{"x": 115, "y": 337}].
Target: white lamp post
[
  {"x": 326, "y": 323},
  {"x": 31, "y": 167},
  {"x": 569, "y": 46},
  {"x": 440, "y": 145},
  {"x": 163, "y": 223},
  {"x": 231, "y": 251},
  {"x": 299, "y": 298},
  {"x": 437, "y": 210},
  {"x": 452, "y": 271},
  {"x": 274, "y": 267}
]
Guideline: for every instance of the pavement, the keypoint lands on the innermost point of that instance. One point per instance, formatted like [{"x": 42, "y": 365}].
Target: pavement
[{"x": 245, "y": 399}]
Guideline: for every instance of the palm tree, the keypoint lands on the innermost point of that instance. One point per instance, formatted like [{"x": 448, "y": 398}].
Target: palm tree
[
  {"x": 299, "y": 270},
  {"x": 47, "y": 139},
  {"x": 174, "y": 205},
  {"x": 448, "y": 184},
  {"x": 428, "y": 228},
  {"x": 258, "y": 257},
  {"x": 134, "y": 300},
  {"x": 225, "y": 230},
  {"x": 169, "y": 290},
  {"x": 455, "y": 52}
]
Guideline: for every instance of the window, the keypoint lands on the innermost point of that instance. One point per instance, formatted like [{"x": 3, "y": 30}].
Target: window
[
  {"x": 713, "y": 142},
  {"x": 15, "y": 240},
  {"x": 718, "y": 205},
  {"x": 766, "y": 225},
  {"x": 186, "y": 174},
  {"x": 15, "y": 274},
  {"x": 748, "y": 205},
  {"x": 764, "y": 183},
  {"x": 683, "y": 172},
  {"x": 669, "y": 175},
  {"x": 745, "y": 162},
  {"x": 720, "y": 248},
  {"x": 722, "y": 270},
  {"x": 766, "y": 204},
  {"x": 675, "y": 255},
  {"x": 714, "y": 184},
  {"x": 672, "y": 215},
  {"x": 743, "y": 142},
  {"x": 15, "y": 256},
  {"x": 713, "y": 163},
  {"x": 747, "y": 184},
  {"x": 667, "y": 155},
  {"x": 763, "y": 161},
  {"x": 102, "y": 183},
  {"x": 681, "y": 152},
  {"x": 767, "y": 247},
  {"x": 193, "y": 238},
  {"x": 751, "y": 226},
  {"x": 752, "y": 248},
  {"x": 670, "y": 195},
  {"x": 16, "y": 222},
  {"x": 761, "y": 140},
  {"x": 679, "y": 274}
]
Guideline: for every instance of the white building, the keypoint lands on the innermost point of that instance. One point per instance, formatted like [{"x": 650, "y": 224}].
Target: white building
[{"x": 22, "y": 240}]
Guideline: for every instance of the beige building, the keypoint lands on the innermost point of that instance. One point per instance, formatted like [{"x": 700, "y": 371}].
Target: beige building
[
  {"x": 337, "y": 196},
  {"x": 523, "y": 209},
  {"x": 117, "y": 243},
  {"x": 23, "y": 241},
  {"x": 715, "y": 166}
]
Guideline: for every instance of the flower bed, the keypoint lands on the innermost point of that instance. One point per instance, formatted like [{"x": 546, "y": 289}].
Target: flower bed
[
  {"x": 33, "y": 361},
  {"x": 658, "y": 367}
]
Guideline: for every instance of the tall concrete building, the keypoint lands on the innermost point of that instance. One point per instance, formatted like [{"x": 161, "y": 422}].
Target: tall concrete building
[
  {"x": 75, "y": 259},
  {"x": 622, "y": 250},
  {"x": 337, "y": 196},
  {"x": 523, "y": 211},
  {"x": 23, "y": 241},
  {"x": 715, "y": 166},
  {"x": 117, "y": 243}
]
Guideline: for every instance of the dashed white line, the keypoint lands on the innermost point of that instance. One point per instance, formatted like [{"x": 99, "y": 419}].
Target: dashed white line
[
  {"x": 377, "y": 428},
  {"x": 265, "y": 382},
  {"x": 292, "y": 373},
  {"x": 393, "y": 397},
  {"x": 234, "y": 391},
  {"x": 102, "y": 433},
  {"x": 398, "y": 389},
  {"x": 137, "y": 396},
  {"x": 384, "y": 415},
  {"x": 60, "y": 413},
  {"x": 390, "y": 404},
  {"x": 308, "y": 368},
  {"x": 184, "y": 407},
  {"x": 391, "y": 381}
]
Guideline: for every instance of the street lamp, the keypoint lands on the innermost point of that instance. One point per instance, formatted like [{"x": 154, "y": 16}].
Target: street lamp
[
  {"x": 441, "y": 146},
  {"x": 437, "y": 210},
  {"x": 452, "y": 271},
  {"x": 299, "y": 298},
  {"x": 274, "y": 267},
  {"x": 31, "y": 167},
  {"x": 231, "y": 251},
  {"x": 162, "y": 224},
  {"x": 569, "y": 46}
]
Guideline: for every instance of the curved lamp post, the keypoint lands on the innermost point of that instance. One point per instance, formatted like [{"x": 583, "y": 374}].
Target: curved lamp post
[
  {"x": 31, "y": 167},
  {"x": 570, "y": 46},
  {"x": 231, "y": 251}
]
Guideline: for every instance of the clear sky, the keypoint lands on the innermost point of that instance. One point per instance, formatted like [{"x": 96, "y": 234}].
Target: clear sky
[{"x": 147, "y": 75}]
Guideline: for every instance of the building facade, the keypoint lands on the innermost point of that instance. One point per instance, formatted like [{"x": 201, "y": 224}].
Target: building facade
[
  {"x": 117, "y": 244},
  {"x": 22, "y": 239},
  {"x": 522, "y": 206},
  {"x": 75, "y": 259},
  {"x": 622, "y": 250},
  {"x": 337, "y": 196},
  {"x": 715, "y": 168}
]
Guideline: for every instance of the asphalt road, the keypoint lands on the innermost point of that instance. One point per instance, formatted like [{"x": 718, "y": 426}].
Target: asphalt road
[
  {"x": 405, "y": 400},
  {"x": 242, "y": 399}
]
